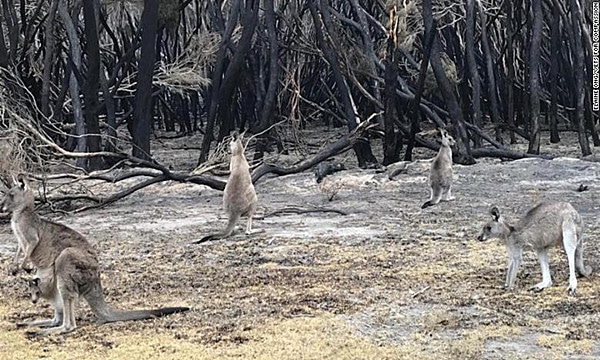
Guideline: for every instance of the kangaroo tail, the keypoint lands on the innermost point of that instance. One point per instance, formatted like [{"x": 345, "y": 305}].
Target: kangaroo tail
[
  {"x": 105, "y": 314},
  {"x": 119, "y": 315},
  {"x": 233, "y": 219}
]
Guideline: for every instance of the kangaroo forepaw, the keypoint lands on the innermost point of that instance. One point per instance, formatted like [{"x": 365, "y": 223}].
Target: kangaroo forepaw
[{"x": 571, "y": 291}]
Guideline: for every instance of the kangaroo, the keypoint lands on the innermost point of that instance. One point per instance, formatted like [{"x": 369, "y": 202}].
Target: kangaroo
[
  {"x": 67, "y": 266},
  {"x": 35, "y": 290},
  {"x": 546, "y": 225},
  {"x": 239, "y": 197},
  {"x": 440, "y": 175}
]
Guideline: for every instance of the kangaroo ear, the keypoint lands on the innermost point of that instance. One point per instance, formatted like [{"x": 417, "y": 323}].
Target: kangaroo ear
[
  {"x": 495, "y": 213},
  {"x": 235, "y": 134},
  {"x": 22, "y": 182}
]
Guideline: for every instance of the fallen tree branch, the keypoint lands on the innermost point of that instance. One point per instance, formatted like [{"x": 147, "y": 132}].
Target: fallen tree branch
[
  {"x": 121, "y": 194},
  {"x": 506, "y": 154},
  {"x": 342, "y": 145},
  {"x": 295, "y": 210}
]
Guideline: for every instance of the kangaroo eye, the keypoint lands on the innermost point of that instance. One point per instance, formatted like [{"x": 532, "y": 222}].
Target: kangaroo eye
[{"x": 488, "y": 228}]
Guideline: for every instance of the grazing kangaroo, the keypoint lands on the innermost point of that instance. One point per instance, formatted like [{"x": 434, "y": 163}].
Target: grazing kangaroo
[
  {"x": 67, "y": 266},
  {"x": 440, "y": 175},
  {"x": 239, "y": 197},
  {"x": 546, "y": 225}
]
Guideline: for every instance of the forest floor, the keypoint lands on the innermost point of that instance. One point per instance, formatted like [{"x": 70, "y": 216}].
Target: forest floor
[{"x": 386, "y": 281}]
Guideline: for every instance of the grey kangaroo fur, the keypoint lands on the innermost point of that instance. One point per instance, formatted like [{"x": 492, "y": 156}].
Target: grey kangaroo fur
[
  {"x": 546, "y": 225},
  {"x": 239, "y": 196},
  {"x": 440, "y": 175},
  {"x": 67, "y": 266}
]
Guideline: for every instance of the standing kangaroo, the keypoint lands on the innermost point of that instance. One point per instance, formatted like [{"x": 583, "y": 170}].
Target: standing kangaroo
[
  {"x": 239, "y": 197},
  {"x": 440, "y": 175},
  {"x": 546, "y": 225},
  {"x": 67, "y": 266}
]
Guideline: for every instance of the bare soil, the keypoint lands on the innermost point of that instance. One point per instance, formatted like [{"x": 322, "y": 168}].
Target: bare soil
[{"x": 386, "y": 281}]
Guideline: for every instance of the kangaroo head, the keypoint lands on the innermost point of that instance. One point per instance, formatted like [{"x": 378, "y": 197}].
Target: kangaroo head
[
  {"x": 447, "y": 139},
  {"x": 34, "y": 289},
  {"x": 236, "y": 145},
  {"x": 19, "y": 197},
  {"x": 495, "y": 228}
]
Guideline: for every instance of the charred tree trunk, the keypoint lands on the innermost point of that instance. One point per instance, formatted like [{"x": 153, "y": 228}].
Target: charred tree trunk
[
  {"x": 491, "y": 77},
  {"x": 75, "y": 56},
  {"x": 90, "y": 94},
  {"x": 367, "y": 47},
  {"x": 554, "y": 50},
  {"x": 322, "y": 23},
  {"x": 390, "y": 153},
  {"x": 472, "y": 65},
  {"x": 111, "y": 118},
  {"x": 3, "y": 50},
  {"x": 217, "y": 74},
  {"x": 267, "y": 108},
  {"x": 266, "y": 113},
  {"x": 577, "y": 49},
  {"x": 510, "y": 100},
  {"x": 534, "y": 75},
  {"x": 49, "y": 53},
  {"x": 140, "y": 126},
  {"x": 232, "y": 78},
  {"x": 462, "y": 141},
  {"x": 12, "y": 25},
  {"x": 414, "y": 112}
]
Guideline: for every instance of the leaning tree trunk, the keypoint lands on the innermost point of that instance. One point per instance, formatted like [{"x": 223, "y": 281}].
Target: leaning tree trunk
[
  {"x": 577, "y": 48},
  {"x": 49, "y": 53},
  {"x": 462, "y": 141},
  {"x": 214, "y": 98},
  {"x": 75, "y": 54},
  {"x": 534, "y": 76},
  {"x": 414, "y": 110},
  {"x": 491, "y": 77},
  {"x": 232, "y": 77},
  {"x": 323, "y": 30},
  {"x": 265, "y": 117},
  {"x": 140, "y": 126}
]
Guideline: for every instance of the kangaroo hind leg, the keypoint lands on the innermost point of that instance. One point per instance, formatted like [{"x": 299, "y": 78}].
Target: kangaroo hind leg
[{"x": 570, "y": 243}]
